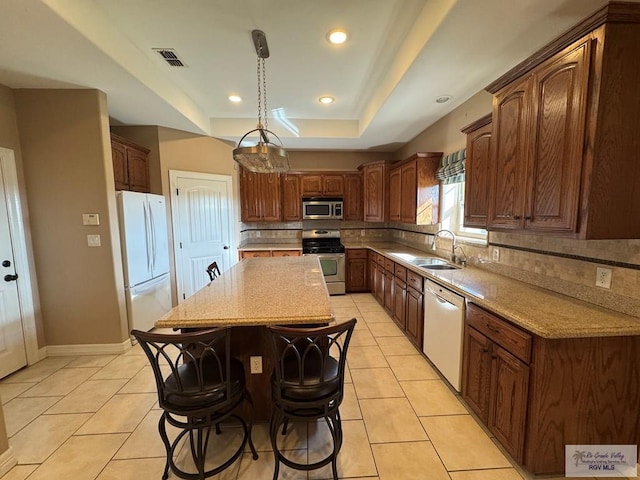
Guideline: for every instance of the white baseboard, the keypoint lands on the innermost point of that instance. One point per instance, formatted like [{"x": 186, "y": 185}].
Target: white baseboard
[
  {"x": 89, "y": 349},
  {"x": 7, "y": 462}
]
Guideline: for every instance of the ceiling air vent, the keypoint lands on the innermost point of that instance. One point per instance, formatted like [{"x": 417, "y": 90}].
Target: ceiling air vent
[{"x": 170, "y": 56}]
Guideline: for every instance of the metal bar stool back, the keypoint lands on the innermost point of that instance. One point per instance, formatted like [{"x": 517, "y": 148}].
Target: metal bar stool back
[
  {"x": 213, "y": 271},
  {"x": 308, "y": 384},
  {"x": 199, "y": 386}
]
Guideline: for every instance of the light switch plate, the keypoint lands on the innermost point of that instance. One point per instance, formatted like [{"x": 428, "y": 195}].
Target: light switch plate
[
  {"x": 496, "y": 255},
  {"x": 90, "y": 219},
  {"x": 93, "y": 240}
]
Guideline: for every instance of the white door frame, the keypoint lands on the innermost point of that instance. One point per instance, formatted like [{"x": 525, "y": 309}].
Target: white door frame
[
  {"x": 177, "y": 251},
  {"x": 21, "y": 259}
]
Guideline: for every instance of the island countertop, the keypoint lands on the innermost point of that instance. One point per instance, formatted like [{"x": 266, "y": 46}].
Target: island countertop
[{"x": 258, "y": 291}]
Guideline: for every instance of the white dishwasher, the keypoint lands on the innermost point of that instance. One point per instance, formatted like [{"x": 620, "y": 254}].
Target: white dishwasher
[{"x": 443, "y": 331}]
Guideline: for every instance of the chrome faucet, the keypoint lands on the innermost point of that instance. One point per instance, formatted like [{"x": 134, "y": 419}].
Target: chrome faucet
[{"x": 453, "y": 243}]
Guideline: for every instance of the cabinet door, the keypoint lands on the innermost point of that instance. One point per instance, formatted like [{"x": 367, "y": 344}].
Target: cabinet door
[
  {"x": 389, "y": 290},
  {"x": 559, "y": 115},
  {"x": 120, "y": 171},
  {"x": 352, "y": 197},
  {"x": 415, "y": 321},
  {"x": 291, "y": 198},
  {"x": 395, "y": 194},
  {"x": 249, "y": 196},
  {"x": 138, "y": 168},
  {"x": 333, "y": 185},
  {"x": 373, "y": 273},
  {"x": 312, "y": 185},
  {"x": 476, "y": 372},
  {"x": 400, "y": 302},
  {"x": 477, "y": 179},
  {"x": 511, "y": 107},
  {"x": 409, "y": 192},
  {"x": 508, "y": 406},
  {"x": 374, "y": 192},
  {"x": 270, "y": 197},
  {"x": 356, "y": 275},
  {"x": 380, "y": 284}
]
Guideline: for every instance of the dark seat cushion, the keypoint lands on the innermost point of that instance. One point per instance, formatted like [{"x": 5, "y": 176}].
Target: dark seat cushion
[
  {"x": 192, "y": 395},
  {"x": 310, "y": 387}
]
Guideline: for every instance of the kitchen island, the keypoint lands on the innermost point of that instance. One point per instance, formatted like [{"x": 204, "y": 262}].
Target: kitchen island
[{"x": 251, "y": 295}]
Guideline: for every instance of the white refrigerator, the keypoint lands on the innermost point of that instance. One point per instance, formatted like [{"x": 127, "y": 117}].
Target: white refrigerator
[{"x": 145, "y": 257}]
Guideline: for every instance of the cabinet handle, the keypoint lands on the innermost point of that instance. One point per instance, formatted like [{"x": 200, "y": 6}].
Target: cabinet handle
[
  {"x": 517, "y": 217},
  {"x": 527, "y": 217}
]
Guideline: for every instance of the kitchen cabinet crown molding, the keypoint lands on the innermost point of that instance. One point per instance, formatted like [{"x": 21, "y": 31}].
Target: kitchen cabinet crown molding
[{"x": 481, "y": 122}]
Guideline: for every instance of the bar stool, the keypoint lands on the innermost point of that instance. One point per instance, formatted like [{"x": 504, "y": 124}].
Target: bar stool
[
  {"x": 213, "y": 271},
  {"x": 308, "y": 384},
  {"x": 204, "y": 386}
]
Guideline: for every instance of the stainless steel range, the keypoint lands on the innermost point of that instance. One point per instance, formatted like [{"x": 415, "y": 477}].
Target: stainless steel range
[{"x": 326, "y": 244}]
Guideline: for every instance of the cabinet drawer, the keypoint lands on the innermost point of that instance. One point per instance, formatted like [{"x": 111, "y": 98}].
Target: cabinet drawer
[
  {"x": 255, "y": 253},
  {"x": 509, "y": 337},
  {"x": 401, "y": 272},
  {"x": 414, "y": 280},
  {"x": 361, "y": 253},
  {"x": 380, "y": 259},
  {"x": 286, "y": 253},
  {"x": 389, "y": 265}
]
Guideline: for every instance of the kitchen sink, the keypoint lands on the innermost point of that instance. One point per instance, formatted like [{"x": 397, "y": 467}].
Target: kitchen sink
[
  {"x": 441, "y": 266},
  {"x": 422, "y": 262}
]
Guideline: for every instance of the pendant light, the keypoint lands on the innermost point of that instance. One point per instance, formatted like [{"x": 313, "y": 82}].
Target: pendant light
[{"x": 265, "y": 156}]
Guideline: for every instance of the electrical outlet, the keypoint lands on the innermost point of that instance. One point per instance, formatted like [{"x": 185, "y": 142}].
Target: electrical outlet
[
  {"x": 256, "y": 364},
  {"x": 496, "y": 254},
  {"x": 603, "y": 277}
]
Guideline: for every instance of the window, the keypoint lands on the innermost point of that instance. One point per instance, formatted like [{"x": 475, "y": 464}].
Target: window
[{"x": 453, "y": 214}]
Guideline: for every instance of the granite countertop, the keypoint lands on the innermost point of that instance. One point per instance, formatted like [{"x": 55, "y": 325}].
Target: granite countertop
[
  {"x": 258, "y": 291},
  {"x": 251, "y": 247},
  {"x": 542, "y": 312}
]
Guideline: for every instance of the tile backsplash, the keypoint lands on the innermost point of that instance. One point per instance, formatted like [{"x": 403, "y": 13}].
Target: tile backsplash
[{"x": 564, "y": 265}]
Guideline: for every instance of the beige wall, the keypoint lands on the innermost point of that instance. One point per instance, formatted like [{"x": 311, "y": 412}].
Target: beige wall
[
  {"x": 68, "y": 171},
  {"x": 350, "y": 161},
  {"x": 445, "y": 135}
]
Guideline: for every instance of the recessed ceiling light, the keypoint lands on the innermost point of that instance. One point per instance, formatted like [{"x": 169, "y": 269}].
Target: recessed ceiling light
[
  {"x": 337, "y": 36},
  {"x": 443, "y": 98},
  {"x": 326, "y": 99},
  {"x": 235, "y": 98}
]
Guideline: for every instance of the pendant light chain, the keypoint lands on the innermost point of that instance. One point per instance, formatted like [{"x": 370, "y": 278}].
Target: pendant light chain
[
  {"x": 264, "y": 89},
  {"x": 262, "y": 75}
]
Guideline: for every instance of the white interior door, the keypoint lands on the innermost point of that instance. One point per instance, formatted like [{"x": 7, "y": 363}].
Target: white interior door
[
  {"x": 202, "y": 213},
  {"x": 12, "y": 346}
]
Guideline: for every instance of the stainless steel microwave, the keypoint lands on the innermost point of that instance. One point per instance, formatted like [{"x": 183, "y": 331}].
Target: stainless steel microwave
[{"x": 321, "y": 208}]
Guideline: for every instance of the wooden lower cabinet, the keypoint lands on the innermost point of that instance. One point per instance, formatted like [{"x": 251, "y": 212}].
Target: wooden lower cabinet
[
  {"x": 357, "y": 278},
  {"x": 269, "y": 253},
  {"x": 379, "y": 283},
  {"x": 537, "y": 395},
  {"x": 414, "y": 309}
]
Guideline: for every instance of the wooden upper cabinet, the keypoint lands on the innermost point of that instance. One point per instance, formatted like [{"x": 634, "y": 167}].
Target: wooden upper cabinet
[
  {"x": 291, "y": 198},
  {"x": 538, "y": 130},
  {"x": 352, "y": 207},
  {"x": 559, "y": 111},
  {"x": 327, "y": 185},
  {"x": 414, "y": 190},
  {"x": 395, "y": 194},
  {"x": 130, "y": 165},
  {"x": 569, "y": 112},
  {"x": 509, "y": 149},
  {"x": 477, "y": 169},
  {"x": 260, "y": 196},
  {"x": 311, "y": 185},
  {"x": 375, "y": 191}
]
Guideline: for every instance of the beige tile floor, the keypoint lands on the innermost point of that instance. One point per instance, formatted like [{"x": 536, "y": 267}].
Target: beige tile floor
[{"x": 95, "y": 417}]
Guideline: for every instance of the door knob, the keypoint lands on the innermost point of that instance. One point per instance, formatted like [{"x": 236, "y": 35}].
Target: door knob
[
  {"x": 6, "y": 263},
  {"x": 226, "y": 247},
  {"x": 10, "y": 278}
]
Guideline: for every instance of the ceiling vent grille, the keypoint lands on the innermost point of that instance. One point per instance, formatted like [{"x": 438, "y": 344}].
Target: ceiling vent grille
[{"x": 170, "y": 56}]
